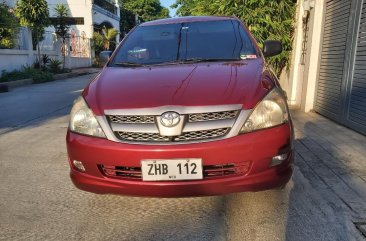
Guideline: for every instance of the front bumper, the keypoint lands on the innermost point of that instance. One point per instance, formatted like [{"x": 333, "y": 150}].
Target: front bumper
[{"x": 257, "y": 148}]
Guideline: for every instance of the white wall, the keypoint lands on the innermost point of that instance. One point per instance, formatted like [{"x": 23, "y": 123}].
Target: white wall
[
  {"x": 13, "y": 59},
  {"x": 301, "y": 91}
]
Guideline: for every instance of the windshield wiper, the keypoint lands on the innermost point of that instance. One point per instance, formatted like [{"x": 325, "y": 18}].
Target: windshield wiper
[
  {"x": 197, "y": 60},
  {"x": 129, "y": 64}
]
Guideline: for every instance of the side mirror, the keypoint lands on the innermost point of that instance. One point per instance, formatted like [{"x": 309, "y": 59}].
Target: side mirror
[
  {"x": 104, "y": 56},
  {"x": 272, "y": 48}
]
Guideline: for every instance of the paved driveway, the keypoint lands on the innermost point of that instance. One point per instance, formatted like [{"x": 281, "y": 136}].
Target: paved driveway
[{"x": 325, "y": 200}]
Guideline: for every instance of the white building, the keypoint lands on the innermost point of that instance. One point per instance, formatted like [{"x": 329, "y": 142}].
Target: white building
[
  {"x": 86, "y": 16},
  {"x": 90, "y": 15}
]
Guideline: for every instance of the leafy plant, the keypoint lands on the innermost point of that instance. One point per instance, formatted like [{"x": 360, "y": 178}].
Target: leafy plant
[
  {"x": 104, "y": 40},
  {"x": 45, "y": 59},
  {"x": 97, "y": 43},
  {"x": 41, "y": 77},
  {"x": 27, "y": 72},
  {"x": 8, "y": 27},
  {"x": 97, "y": 63},
  {"x": 265, "y": 19},
  {"x": 14, "y": 75},
  {"x": 109, "y": 36},
  {"x": 55, "y": 66},
  {"x": 61, "y": 25},
  {"x": 33, "y": 14}
]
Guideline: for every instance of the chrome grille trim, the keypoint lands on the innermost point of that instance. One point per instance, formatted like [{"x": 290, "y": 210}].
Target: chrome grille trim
[
  {"x": 186, "y": 136},
  {"x": 131, "y": 119},
  {"x": 195, "y": 126},
  {"x": 143, "y": 137},
  {"x": 222, "y": 115},
  {"x": 135, "y": 128},
  {"x": 202, "y": 135},
  {"x": 234, "y": 125}
]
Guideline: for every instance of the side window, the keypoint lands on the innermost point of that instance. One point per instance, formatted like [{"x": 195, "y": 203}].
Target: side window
[{"x": 248, "y": 48}]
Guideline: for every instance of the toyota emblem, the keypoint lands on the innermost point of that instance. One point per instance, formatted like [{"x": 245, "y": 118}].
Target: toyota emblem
[{"x": 170, "y": 119}]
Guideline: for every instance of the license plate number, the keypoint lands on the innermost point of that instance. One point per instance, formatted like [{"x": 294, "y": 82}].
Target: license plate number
[{"x": 171, "y": 170}]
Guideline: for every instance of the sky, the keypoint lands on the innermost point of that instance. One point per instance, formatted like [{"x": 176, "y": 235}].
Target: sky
[{"x": 167, "y": 4}]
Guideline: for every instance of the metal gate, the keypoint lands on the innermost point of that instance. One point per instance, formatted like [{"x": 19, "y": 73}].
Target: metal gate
[{"x": 341, "y": 85}]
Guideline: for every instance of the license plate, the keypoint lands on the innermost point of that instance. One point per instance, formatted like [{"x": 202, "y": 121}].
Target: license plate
[{"x": 172, "y": 169}]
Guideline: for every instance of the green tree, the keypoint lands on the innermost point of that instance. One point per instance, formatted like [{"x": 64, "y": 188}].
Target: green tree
[
  {"x": 127, "y": 21},
  {"x": 146, "y": 10},
  {"x": 104, "y": 40},
  {"x": 265, "y": 19},
  {"x": 35, "y": 15},
  {"x": 61, "y": 26},
  {"x": 109, "y": 36},
  {"x": 97, "y": 43},
  {"x": 8, "y": 27},
  {"x": 185, "y": 7}
]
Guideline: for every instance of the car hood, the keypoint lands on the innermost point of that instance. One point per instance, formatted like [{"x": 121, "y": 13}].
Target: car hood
[{"x": 199, "y": 84}]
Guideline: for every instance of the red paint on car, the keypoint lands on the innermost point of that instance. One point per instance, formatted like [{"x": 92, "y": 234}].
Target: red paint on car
[{"x": 212, "y": 106}]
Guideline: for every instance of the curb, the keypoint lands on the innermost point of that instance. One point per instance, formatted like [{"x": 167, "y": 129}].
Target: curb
[
  {"x": 18, "y": 83},
  {"x": 23, "y": 82}
]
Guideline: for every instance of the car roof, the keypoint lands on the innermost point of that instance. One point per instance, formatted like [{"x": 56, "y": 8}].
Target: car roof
[{"x": 186, "y": 20}]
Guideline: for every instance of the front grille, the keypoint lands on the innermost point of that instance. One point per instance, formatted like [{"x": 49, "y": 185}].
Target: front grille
[
  {"x": 143, "y": 137},
  {"x": 185, "y": 137},
  {"x": 195, "y": 117},
  {"x": 209, "y": 171},
  {"x": 132, "y": 119},
  {"x": 222, "y": 115},
  {"x": 146, "y": 128},
  {"x": 202, "y": 135}
]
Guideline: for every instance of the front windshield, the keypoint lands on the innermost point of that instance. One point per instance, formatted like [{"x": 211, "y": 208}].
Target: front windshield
[{"x": 159, "y": 44}]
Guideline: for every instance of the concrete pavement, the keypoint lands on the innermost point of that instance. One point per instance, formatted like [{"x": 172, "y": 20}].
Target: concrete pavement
[{"x": 325, "y": 199}]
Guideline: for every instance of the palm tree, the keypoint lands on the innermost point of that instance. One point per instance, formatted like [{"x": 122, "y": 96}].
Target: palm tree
[
  {"x": 61, "y": 26},
  {"x": 109, "y": 36}
]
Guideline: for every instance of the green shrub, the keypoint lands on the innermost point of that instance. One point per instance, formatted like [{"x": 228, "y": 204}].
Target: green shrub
[
  {"x": 55, "y": 66},
  {"x": 8, "y": 27},
  {"x": 45, "y": 59},
  {"x": 27, "y": 72},
  {"x": 97, "y": 63},
  {"x": 14, "y": 75},
  {"x": 42, "y": 76}
]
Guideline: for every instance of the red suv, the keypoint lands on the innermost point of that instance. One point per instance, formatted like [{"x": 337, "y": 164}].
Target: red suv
[{"x": 184, "y": 107}]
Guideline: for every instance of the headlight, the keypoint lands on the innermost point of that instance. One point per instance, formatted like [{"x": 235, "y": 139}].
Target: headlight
[
  {"x": 271, "y": 111},
  {"x": 83, "y": 121}
]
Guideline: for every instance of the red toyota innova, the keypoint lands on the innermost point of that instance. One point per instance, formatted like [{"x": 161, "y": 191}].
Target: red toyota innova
[{"x": 183, "y": 107}]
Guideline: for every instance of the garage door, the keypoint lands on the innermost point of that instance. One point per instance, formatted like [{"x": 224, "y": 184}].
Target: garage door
[
  {"x": 341, "y": 84},
  {"x": 356, "y": 101},
  {"x": 328, "y": 99}
]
